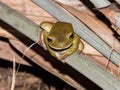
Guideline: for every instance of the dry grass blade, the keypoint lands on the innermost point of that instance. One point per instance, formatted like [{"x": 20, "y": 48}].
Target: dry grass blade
[{"x": 13, "y": 74}]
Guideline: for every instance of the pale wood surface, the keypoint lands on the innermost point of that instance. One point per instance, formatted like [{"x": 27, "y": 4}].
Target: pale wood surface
[
  {"x": 7, "y": 53},
  {"x": 101, "y": 3}
]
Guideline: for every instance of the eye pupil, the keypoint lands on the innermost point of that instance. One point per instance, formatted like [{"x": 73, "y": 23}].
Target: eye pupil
[
  {"x": 49, "y": 39},
  {"x": 71, "y": 36}
]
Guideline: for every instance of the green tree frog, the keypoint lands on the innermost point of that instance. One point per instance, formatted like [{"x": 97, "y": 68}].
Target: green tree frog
[{"x": 59, "y": 39}]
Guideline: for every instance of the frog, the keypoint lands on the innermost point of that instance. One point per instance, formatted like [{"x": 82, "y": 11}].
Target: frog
[{"x": 60, "y": 39}]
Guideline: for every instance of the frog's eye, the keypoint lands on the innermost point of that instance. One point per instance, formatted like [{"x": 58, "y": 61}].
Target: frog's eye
[
  {"x": 49, "y": 39},
  {"x": 71, "y": 36}
]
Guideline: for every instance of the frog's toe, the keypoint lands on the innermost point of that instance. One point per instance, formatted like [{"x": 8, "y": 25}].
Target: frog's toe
[{"x": 79, "y": 52}]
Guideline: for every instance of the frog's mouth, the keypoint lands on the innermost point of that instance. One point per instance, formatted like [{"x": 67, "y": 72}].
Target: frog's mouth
[{"x": 60, "y": 49}]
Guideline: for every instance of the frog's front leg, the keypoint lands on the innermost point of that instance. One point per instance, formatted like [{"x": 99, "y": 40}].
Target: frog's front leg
[
  {"x": 80, "y": 47},
  {"x": 46, "y": 26},
  {"x": 55, "y": 54}
]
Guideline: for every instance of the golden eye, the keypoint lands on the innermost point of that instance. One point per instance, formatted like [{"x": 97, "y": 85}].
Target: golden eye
[
  {"x": 71, "y": 36},
  {"x": 49, "y": 39}
]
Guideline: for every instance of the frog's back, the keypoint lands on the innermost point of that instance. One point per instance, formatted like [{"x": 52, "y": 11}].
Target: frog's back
[{"x": 60, "y": 27}]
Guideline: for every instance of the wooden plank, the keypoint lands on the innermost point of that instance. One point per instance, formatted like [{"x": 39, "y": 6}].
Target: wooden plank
[
  {"x": 93, "y": 72},
  {"x": 24, "y": 25},
  {"x": 100, "y": 3},
  {"x": 111, "y": 11},
  {"x": 118, "y": 1},
  {"x": 7, "y": 54}
]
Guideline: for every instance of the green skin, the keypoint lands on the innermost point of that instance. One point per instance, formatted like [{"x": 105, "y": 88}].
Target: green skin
[{"x": 60, "y": 39}]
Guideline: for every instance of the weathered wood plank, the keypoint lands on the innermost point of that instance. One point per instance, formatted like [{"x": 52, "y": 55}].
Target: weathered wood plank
[
  {"x": 93, "y": 72},
  {"x": 19, "y": 22}
]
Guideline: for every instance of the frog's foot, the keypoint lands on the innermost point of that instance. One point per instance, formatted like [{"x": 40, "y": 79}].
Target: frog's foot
[
  {"x": 80, "y": 48},
  {"x": 41, "y": 40},
  {"x": 63, "y": 57},
  {"x": 79, "y": 52}
]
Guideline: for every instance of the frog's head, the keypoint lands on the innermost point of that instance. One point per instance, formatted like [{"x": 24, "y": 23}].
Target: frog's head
[{"x": 61, "y": 36}]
